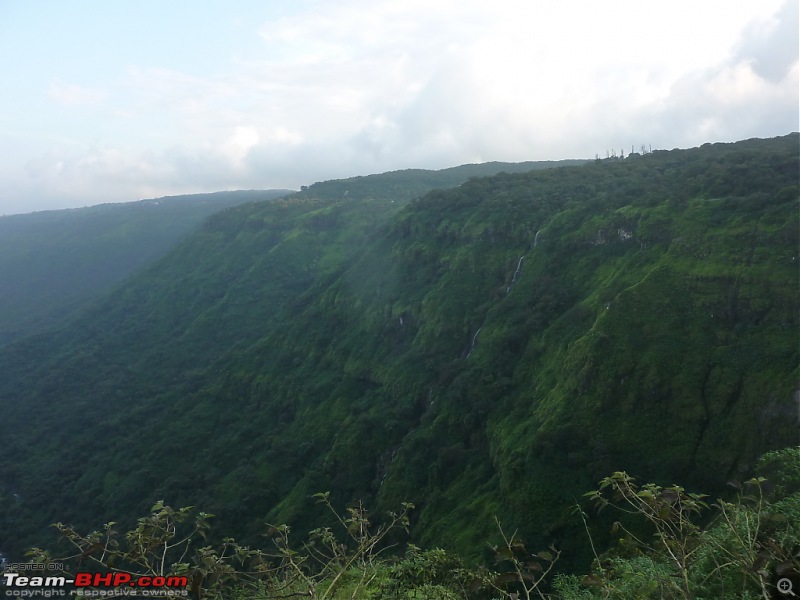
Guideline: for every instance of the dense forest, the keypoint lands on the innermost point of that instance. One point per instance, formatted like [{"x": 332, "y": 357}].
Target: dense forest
[
  {"x": 53, "y": 263},
  {"x": 487, "y": 351}
]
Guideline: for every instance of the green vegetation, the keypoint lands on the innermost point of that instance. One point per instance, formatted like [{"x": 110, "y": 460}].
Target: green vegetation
[
  {"x": 741, "y": 552},
  {"x": 53, "y": 263},
  {"x": 488, "y": 350}
]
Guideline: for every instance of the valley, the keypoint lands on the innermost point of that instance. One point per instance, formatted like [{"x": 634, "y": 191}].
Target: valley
[{"x": 488, "y": 350}]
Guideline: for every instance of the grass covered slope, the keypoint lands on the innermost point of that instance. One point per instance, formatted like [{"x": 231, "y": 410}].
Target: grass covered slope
[
  {"x": 488, "y": 350},
  {"x": 53, "y": 262}
]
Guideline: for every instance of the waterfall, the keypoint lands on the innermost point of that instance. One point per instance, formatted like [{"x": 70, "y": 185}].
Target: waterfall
[
  {"x": 474, "y": 341},
  {"x": 536, "y": 238},
  {"x": 516, "y": 274}
]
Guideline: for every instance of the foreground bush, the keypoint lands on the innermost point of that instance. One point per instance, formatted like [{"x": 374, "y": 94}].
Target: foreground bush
[{"x": 671, "y": 544}]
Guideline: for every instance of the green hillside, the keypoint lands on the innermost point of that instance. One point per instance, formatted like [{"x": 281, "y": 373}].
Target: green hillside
[
  {"x": 492, "y": 349},
  {"x": 53, "y": 262}
]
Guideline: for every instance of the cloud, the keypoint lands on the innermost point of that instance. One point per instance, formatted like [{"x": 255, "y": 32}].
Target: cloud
[
  {"x": 346, "y": 88},
  {"x": 752, "y": 93},
  {"x": 771, "y": 44},
  {"x": 239, "y": 144},
  {"x": 75, "y": 95}
]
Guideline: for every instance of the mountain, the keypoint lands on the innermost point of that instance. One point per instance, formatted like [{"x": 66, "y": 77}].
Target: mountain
[
  {"x": 487, "y": 350},
  {"x": 53, "y": 262}
]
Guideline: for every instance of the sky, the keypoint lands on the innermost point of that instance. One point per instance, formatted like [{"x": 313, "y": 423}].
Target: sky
[{"x": 117, "y": 101}]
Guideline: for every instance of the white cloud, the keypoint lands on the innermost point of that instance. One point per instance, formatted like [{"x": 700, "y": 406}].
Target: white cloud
[
  {"x": 239, "y": 144},
  {"x": 346, "y": 88},
  {"x": 771, "y": 43},
  {"x": 75, "y": 95}
]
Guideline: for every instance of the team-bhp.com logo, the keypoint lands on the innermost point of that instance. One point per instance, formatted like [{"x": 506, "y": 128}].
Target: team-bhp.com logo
[{"x": 94, "y": 585}]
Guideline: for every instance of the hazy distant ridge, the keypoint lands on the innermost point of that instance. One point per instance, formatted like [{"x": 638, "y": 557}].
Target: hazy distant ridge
[{"x": 51, "y": 262}]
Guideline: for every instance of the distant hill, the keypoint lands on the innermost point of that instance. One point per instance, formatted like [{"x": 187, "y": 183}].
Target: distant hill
[
  {"x": 407, "y": 184},
  {"x": 487, "y": 350},
  {"x": 53, "y": 262}
]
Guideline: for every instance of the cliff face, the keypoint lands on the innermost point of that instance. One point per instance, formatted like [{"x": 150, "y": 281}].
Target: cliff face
[{"x": 491, "y": 349}]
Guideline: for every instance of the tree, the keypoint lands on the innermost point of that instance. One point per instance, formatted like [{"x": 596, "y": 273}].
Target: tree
[
  {"x": 737, "y": 548},
  {"x": 172, "y": 544}
]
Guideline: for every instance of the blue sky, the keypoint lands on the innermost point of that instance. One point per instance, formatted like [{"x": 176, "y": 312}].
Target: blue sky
[{"x": 118, "y": 100}]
